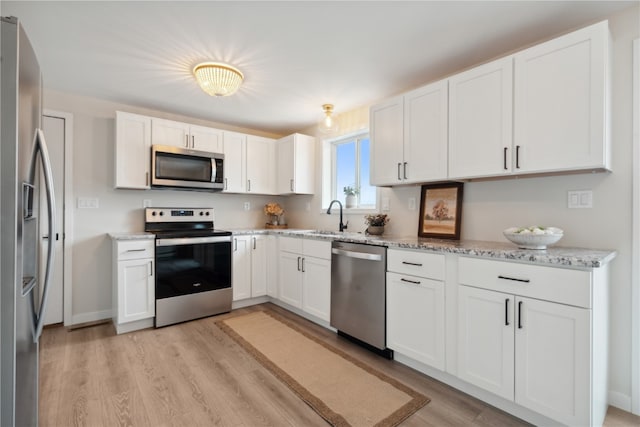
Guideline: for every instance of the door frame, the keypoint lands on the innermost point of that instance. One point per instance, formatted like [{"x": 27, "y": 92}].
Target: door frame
[
  {"x": 635, "y": 261},
  {"x": 67, "y": 237}
]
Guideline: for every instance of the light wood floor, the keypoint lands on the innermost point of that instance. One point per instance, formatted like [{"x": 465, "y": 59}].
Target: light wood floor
[{"x": 193, "y": 374}]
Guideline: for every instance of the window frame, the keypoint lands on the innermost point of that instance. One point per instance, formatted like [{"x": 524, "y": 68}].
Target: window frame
[{"x": 329, "y": 183}]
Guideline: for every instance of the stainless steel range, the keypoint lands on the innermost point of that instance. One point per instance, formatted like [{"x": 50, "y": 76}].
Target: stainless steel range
[{"x": 193, "y": 264}]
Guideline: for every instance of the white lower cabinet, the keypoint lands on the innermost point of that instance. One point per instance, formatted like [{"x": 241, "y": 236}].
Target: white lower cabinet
[
  {"x": 516, "y": 340},
  {"x": 251, "y": 272},
  {"x": 415, "y": 318},
  {"x": 305, "y": 275},
  {"x": 134, "y": 287}
]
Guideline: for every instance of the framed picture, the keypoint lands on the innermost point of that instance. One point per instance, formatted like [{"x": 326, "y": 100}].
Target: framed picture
[{"x": 441, "y": 211}]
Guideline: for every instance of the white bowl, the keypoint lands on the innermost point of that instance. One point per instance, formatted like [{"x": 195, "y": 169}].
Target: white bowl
[{"x": 533, "y": 237}]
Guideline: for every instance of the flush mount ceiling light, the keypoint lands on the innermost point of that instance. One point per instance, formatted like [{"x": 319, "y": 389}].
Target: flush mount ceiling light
[
  {"x": 329, "y": 124},
  {"x": 218, "y": 79}
]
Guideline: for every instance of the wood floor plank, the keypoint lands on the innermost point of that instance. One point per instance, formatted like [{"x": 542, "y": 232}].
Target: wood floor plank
[{"x": 194, "y": 374}]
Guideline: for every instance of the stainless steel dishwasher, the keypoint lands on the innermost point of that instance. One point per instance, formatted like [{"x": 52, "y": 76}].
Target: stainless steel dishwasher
[{"x": 358, "y": 293}]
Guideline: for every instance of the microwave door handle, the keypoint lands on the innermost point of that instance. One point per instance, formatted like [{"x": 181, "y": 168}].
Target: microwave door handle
[{"x": 214, "y": 171}]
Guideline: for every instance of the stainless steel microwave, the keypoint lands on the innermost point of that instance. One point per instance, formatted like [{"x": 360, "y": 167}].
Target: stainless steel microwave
[{"x": 181, "y": 168}]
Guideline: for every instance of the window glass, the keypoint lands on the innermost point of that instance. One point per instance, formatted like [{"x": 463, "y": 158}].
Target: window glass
[{"x": 350, "y": 160}]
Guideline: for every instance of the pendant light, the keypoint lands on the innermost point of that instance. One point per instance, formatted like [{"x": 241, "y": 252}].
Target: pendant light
[
  {"x": 329, "y": 124},
  {"x": 218, "y": 79}
]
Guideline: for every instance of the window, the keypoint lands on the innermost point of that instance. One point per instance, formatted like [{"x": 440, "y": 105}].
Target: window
[{"x": 347, "y": 165}]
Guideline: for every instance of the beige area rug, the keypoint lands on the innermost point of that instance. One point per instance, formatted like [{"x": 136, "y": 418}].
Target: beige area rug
[{"x": 343, "y": 390}]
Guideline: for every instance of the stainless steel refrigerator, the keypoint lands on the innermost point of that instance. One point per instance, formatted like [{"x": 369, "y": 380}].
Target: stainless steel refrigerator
[{"x": 24, "y": 171}]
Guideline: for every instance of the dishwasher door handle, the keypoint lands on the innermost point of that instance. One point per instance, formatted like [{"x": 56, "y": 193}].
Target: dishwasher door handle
[{"x": 358, "y": 255}]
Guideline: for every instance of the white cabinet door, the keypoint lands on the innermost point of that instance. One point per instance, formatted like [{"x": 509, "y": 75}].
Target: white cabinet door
[
  {"x": 259, "y": 270},
  {"x": 552, "y": 348},
  {"x": 206, "y": 139},
  {"x": 235, "y": 172},
  {"x": 486, "y": 339},
  {"x": 261, "y": 160},
  {"x": 136, "y": 290},
  {"x": 290, "y": 278},
  {"x": 425, "y": 133},
  {"x": 415, "y": 318},
  {"x": 169, "y": 132},
  {"x": 560, "y": 102},
  {"x": 296, "y": 164},
  {"x": 271, "y": 245},
  {"x": 480, "y": 120},
  {"x": 133, "y": 150},
  {"x": 316, "y": 287},
  {"x": 386, "y": 131},
  {"x": 241, "y": 278}
]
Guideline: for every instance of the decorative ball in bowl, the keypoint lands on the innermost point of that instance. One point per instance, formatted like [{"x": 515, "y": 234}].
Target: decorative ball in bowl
[{"x": 535, "y": 237}]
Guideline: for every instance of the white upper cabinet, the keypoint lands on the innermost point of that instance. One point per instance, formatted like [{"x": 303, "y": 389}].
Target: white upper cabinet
[
  {"x": 235, "y": 171},
  {"x": 425, "y": 133},
  {"x": 409, "y": 137},
  {"x": 386, "y": 122},
  {"x": 133, "y": 150},
  {"x": 480, "y": 120},
  {"x": 261, "y": 160},
  {"x": 560, "y": 103},
  {"x": 178, "y": 134},
  {"x": 249, "y": 164},
  {"x": 296, "y": 166}
]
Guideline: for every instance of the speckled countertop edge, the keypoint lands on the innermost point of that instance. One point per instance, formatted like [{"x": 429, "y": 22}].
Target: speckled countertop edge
[{"x": 552, "y": 256}]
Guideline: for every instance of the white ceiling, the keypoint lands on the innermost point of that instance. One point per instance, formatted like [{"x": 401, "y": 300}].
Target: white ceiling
[{"x": 296, "y": 55}]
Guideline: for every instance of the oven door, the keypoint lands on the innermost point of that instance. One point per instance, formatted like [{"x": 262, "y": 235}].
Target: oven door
[{"x": 191, "y": 265}]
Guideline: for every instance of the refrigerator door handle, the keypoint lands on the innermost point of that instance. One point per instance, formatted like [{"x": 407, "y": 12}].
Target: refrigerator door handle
[{"x": 40, "y": 147}]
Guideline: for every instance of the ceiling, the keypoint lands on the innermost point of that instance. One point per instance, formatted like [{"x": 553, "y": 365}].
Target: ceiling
[{"x": 295, "y": 55}]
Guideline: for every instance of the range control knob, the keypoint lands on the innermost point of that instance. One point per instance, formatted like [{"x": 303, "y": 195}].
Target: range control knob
[
  {"x": 207, "y": 214},
  {"x": 161, "y": 213},
  {"x": 201, "y": 213},
  {"x": 153, "y": 213}
]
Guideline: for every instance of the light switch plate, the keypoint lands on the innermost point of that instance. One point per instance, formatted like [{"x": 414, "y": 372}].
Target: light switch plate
[
  {"x": 412, "y": 203},
  {"x": 385, "y": 204},
  {"x": 580, "y": 199},
  {"x": 88, "y": 203}
]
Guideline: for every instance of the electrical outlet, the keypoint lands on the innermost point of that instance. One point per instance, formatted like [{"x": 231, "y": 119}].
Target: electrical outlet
[
  {"x": 308, "y": 207},
  {"x": 412, "y": 203},
  {"x": 247, "y": 206}
]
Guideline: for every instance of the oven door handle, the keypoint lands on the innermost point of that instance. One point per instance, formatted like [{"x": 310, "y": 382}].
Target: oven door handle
[{"x": 192, "y": 240}]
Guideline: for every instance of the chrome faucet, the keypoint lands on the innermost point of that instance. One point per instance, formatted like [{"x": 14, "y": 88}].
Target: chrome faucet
[{"x": 341, "y": 226}]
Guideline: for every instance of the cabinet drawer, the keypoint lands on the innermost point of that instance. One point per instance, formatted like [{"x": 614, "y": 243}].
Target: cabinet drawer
[
  {"x": 135, "y": 249},
  {"x": 415, "y": 263},
  {"x": 317, "y": 248},
  {"x": 291, "y": 244},
  {"x": 561, "y": 285}
]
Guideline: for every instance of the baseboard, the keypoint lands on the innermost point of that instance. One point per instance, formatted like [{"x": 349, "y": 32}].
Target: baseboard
[
  {"x": 620, "y": 400},
  {"x": 95, "y": 316}
]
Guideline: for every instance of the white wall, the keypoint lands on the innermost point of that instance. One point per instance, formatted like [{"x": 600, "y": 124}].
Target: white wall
[
  {"x": 491, "y": 206},
  {"x": 488, "y": 208}
]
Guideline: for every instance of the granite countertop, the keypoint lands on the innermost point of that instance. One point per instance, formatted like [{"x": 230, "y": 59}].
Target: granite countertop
[{"x": 553, "y": 256}]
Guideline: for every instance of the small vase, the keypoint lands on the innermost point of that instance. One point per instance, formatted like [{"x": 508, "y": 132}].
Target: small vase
[
  {"x": 274, "y": 219},
  {"x": 350, "y": 201},
  {"x": 376, "y": 230}
]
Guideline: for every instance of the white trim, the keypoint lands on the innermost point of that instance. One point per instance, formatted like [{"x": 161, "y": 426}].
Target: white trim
[
  {"x": 619, "y": 400},
  {"x": 95, "y": 316},
  {"x": 635, "y": 269},
  {"x": 68, "y": 212}
]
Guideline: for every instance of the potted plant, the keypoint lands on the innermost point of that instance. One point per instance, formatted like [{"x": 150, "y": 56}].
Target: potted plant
[
  {"x": 376, "y": 223},
  {"x": 350, "y": 199}
]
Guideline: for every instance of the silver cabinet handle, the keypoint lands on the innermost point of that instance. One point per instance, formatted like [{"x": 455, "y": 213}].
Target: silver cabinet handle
[
  {"x": 358, "y": 255},
  {"x": 248, "y": 185},
  {"x": 186, "y": 141},
  {"x": 399, "y": 177},
  {"x": 299, "y": 258},
  {"x": 303, "y": 265},
  {"x": 254, "y": 243},
  {"x": 193, "y": 141},
  {"x": 415, "y": 282},
  {"x": 504, "y": 158},
  {"x": 404, "y": 167},
  {"x": 151, "y": 268},
  {"x": 226, "y": 184},
  {"x": 291, "y": 184},
  {"x": 517, "y": 157},
  {"x": 146, "y": 178},
  {"x": 136, "y": 250},
  {"x": 235, "y": 245}
]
